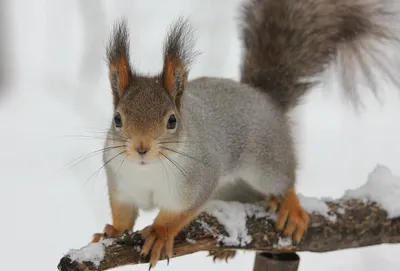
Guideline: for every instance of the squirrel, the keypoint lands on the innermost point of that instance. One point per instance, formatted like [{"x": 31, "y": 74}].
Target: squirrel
[{"x": 175, "y": 144}]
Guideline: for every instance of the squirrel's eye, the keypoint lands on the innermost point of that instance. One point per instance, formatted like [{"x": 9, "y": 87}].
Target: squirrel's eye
[
  {"x": 117, "y": 120},
  {"x": 171, "y": 122}
]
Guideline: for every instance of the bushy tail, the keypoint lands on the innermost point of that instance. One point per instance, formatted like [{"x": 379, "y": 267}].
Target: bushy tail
[{"x": 287, "y": 42}]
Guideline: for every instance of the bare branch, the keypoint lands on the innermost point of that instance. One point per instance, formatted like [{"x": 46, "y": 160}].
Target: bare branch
[{"x": 357, "y": 224}]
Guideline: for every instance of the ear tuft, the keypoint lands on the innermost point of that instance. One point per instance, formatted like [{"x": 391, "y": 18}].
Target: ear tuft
[
  {"x": 120, "y": 72},
  {"x": 178, "y": 56}
]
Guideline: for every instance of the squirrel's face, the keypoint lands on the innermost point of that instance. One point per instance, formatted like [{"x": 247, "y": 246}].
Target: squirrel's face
[{"x": 146, "y": 118}]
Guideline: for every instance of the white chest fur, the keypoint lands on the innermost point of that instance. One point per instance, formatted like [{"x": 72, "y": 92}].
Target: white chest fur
[{"x": 147, "y": 186}]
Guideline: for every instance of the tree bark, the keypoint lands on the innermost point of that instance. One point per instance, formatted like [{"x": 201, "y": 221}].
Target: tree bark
[{"x": 357, "y": 224}]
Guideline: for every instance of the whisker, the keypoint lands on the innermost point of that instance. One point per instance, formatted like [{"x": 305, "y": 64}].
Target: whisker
[
  {"x": 109, "y": 132},
  {"x": 91, "y": 154},
  {"x": 91, "y": 137},
  {"x": 186, "y": 155},
  {"x": 112, "y": 158},
  {"x": 124, "y": 134},
  {"x": 165, "y": 168},
  {"x": 167, "y": 175},
  {"x": 120, "y": 165},
  {"x": 175, "y": 164},
  {"x": 179, "y": 140},
  {"x": 190, "y": 180},
  {"x": 176, "y": 141},
  {"x": 97, "y": 130}
]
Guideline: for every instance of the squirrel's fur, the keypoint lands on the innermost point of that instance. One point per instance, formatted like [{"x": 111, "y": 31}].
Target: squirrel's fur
[
  {"x": 175, "y": 144},
  {"x": 288, "y": 42}
]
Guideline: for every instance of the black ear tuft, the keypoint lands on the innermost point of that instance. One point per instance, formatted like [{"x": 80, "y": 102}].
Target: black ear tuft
[
  {"x": 120, "y": 72},
  {"x": 178, "y": 55}
]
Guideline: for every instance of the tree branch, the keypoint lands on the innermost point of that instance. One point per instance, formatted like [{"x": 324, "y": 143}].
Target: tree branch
[{"x": 349, "y": 224}]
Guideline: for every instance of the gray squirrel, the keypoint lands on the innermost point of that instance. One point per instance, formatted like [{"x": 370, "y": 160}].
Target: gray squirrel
[{"x": 175, "y": 144}]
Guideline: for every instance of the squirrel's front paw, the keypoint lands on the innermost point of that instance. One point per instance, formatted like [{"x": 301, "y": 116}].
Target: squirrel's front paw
[
  {"x": 158, "y": 241},
  {"x": 108, "y": 232},
  {"x": 274, "y": 203},
  {"x": 292, "y": 218},
  {"x": 223, "y": 255}
]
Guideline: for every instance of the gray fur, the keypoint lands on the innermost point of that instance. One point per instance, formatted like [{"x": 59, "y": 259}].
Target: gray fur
[
  {"x": 236, "y": 136},
  {"x": 285, "y": 42}
]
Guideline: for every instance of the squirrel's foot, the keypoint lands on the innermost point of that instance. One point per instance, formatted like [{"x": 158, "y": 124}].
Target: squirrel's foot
[
  {"x": 108, "y": 232},
  {"x": 158, "y": 242},
  {"x": 274, "y": 203},
  {"x": 292, "y": 219},
  {"x": 223, "y": 255}
]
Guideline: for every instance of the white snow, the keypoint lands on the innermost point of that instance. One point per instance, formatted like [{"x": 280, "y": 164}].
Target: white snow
[
  {"x": 317, "y": 206},
  {"x": 61, "y": 88},
  {"x": 233, "y": 216},
  {"x": 341, "y": 210},
  {"x": 93, "y": 252},
  {"x": 206, "y": 227},
  {"x": 190, "y": 241},
  {"x": 382, "y": 187},
  {"x": 283, "y": 242}
]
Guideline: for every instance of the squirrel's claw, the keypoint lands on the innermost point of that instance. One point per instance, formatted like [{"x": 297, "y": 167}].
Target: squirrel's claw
[
  {"x": 274, "y": 203},
  {"x": 97, "y": 237},
  {"x": 108, "y": 232},
  {"x": 148, "y": 244},
  {"x": 146, "y": 231},
  {"x": 169, "y": 244},
  {"x": 292, "y": 219},
  {"x": 157, "y": 241}
]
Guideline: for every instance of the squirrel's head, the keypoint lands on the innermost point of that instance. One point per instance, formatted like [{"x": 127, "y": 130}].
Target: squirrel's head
[{"x": 147, "y": 109}]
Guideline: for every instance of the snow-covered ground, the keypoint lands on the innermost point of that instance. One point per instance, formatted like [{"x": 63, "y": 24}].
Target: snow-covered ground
[{"x": 60, "y": 102}]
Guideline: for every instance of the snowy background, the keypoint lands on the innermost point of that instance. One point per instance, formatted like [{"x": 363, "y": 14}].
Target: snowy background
[{"x": 57, "y": 99}]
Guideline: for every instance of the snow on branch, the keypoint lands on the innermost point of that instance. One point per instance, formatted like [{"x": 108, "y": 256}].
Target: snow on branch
[{"x": 369, "y": 215}]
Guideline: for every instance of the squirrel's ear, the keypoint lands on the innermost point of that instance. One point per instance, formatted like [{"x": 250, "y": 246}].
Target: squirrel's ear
[
  {"x": 120, "y": 72},
  {"x": 178, "y": 55}
]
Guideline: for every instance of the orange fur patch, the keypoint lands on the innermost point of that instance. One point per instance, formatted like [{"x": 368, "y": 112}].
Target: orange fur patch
[
  {"x": 123, "y": 72},
  {"x": 168, "y": 75},
  {"x": 121, "y": 66},
  {"x": 174, "y": 221},
  {"x": 171, "y": 66},
  {"x": 123, "y": 217},
  {"x": 292, "y": 218}
]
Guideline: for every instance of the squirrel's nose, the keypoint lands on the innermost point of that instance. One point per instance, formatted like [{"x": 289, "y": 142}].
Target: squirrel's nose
[{"x": 142, "y": 150}]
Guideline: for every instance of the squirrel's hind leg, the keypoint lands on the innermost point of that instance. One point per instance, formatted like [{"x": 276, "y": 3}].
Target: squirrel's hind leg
[{"x": 281, "y": 197}]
